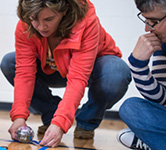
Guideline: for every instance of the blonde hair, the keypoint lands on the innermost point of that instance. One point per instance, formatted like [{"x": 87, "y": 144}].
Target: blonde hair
[{"x": 76, "y": 10}]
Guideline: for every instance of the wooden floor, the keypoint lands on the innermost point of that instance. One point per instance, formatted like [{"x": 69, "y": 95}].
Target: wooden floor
[{"x": 105, "y": 136}]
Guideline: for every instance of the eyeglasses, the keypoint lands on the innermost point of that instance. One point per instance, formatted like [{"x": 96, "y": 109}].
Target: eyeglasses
[{"x": 153, "y": 21}]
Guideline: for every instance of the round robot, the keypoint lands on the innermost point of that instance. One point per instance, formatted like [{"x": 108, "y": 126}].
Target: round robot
[{"x": 25, "y": 134}]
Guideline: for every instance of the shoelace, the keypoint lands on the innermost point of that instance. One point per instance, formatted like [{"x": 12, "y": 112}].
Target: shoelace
[
  {"x": 142, "y": 145},
  {"x": 138, "y": 144}
]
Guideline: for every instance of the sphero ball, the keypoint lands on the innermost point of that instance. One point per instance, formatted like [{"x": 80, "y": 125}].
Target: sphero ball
[{"x": 25, "y": 134}]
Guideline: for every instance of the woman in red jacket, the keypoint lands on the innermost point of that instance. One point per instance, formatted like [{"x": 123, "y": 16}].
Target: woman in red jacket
[{"x": 60, "y": 43}]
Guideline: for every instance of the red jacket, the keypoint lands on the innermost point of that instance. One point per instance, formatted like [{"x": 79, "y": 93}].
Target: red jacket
[{"x": 74, "y": 58}]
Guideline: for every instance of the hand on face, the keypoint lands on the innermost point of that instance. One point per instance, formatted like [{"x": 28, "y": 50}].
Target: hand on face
[
  {"x": 52, "y": 136},
  {"x": 16, "y": 124},
  {"x": 147, "y": 44}
]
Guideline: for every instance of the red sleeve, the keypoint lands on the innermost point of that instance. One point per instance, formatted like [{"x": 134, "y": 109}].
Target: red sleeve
[
  {"x": 81, "y": 65},
  {"x": 25, "y": 73}
]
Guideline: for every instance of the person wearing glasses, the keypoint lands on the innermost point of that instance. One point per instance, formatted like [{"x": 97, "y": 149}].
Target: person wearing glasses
[
  {"x": 61, "y": 43},
  {"x": 146, "y": 115}
]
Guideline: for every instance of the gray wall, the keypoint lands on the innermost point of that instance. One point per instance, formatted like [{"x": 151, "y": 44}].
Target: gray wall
[{"x": 118, "y": 17}]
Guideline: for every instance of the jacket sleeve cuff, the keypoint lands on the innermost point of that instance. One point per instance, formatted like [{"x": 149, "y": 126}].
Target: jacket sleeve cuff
[
  {"x": 18, "y": 116},
  {"x": 62, "y": 122}
]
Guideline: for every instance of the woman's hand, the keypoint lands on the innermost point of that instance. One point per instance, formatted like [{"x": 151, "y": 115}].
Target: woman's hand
[
  {"x": 16, "y": 124},
  {"x": 147, "y": 44},
  {"x": 52, "y": 136}
]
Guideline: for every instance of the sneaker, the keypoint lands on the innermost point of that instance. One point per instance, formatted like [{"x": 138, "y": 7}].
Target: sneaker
[
  {"x": 128, "y": 139},
  {"x": 83, "y": 134},
  {"x": 42, "y": 129}
]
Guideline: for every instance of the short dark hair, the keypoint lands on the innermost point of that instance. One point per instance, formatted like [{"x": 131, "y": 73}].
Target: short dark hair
[{"x": 150, "y": 5}]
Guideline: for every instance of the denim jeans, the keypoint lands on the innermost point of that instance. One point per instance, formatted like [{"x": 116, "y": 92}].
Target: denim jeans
[
  {"x": 107, "y": 85},
  {"x": 147, "y": 120}
]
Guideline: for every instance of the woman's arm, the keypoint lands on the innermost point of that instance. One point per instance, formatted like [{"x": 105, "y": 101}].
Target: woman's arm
[{"x": 25, "y": 73}]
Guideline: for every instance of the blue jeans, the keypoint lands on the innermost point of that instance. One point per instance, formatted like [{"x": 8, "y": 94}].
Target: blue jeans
[
  {"x": 107, "y": 85},
  {"x": 147, "y": 120}
]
